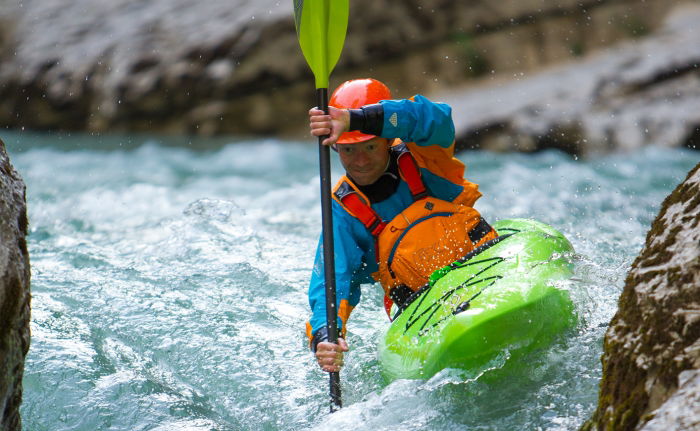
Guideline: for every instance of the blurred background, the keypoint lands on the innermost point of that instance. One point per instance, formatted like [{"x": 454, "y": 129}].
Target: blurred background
[{"x": 585, "y": 76}]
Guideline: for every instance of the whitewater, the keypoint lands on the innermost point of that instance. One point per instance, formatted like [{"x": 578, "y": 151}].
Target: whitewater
[{"x": 169, "y": 283}]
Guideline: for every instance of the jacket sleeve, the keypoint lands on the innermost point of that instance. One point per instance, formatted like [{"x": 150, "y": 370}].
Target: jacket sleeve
[
  {"x": 418, "y": 120},
  {"x": 348, "y": 273}
]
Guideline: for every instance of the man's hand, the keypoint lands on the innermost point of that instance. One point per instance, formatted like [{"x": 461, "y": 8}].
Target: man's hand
[
  {"x": 330, "y": 356},
  {"x": 337, "y": 122}
]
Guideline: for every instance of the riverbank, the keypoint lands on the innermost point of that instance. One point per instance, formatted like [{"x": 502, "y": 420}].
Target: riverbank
[{"x": 176, "y": 67}]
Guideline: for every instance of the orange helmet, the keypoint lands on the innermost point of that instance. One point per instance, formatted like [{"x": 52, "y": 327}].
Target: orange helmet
[{"x": 354, "y": 94}]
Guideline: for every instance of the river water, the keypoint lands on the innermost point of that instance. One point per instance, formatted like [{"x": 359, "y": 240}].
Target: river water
[{"x": 169, "y": 288}]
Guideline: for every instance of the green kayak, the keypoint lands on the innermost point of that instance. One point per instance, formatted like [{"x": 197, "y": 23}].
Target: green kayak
[{"x": 502, "y": 296}]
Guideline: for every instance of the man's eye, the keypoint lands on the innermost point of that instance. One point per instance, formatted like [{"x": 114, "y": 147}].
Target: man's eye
[
  {"x": 371, "y": 147},
  {"x": 347, "y": 149}
]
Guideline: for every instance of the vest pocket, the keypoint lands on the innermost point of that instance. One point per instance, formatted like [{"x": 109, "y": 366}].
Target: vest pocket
[
  {"x": 407, "y": 231},
  {"x": 428, "y": 244}
]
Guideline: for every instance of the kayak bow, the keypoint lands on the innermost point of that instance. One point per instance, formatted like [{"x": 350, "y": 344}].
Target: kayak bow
[{"x": 503, "y": 295}]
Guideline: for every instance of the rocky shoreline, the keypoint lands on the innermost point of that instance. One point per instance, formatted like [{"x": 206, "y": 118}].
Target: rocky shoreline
[
  {"x": 178, "y": 67},
  {"x": 14, "y": 292},
  {"x": 651, "y": 359},
  {"x": 637, "y": 94}
]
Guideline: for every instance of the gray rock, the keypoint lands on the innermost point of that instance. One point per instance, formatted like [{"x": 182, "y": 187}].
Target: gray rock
[
  {"x": 682, "y": 410},
  {"x": 233, "y": 66},
  {"x": 14, "y": 292},
  {"x": 651, "y": 359},
  {"x": 639, "y": 93}
]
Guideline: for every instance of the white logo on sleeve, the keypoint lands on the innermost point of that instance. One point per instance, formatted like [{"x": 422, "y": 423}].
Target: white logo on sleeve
[{"x": 394, "y": 119}]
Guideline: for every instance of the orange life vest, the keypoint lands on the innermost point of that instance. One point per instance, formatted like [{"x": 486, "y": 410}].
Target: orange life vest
[{"x": 426, "y": 236}]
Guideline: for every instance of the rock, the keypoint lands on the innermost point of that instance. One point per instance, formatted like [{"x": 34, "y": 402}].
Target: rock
[
  {"x": 233, "y": 66},
  {"x": 651, "y": 359},
  {"x": 14, "y": 292},
  {"x": 639, "y": 93},
  {"x": 682, "y": 410}
]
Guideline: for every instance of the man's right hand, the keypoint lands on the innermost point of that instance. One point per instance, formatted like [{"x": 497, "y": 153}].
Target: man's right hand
[
  {"x": 330, "y": 356},
  {"x": 336, "y": 122}
]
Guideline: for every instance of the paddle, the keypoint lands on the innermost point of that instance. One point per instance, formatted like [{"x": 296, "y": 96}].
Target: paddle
[{"x": 321, "y": 26}]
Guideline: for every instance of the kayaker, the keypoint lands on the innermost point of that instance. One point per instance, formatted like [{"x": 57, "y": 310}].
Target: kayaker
[{"x": 402, "y": 210}]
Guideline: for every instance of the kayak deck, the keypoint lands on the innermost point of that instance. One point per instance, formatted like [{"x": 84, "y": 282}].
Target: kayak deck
[{"x": 501, "y": 296}]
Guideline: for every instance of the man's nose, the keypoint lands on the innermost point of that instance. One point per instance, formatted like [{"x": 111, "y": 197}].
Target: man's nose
[{"x": 361, "y": 158}]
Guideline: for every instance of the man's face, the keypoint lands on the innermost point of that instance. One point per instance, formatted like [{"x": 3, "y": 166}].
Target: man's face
[{"x": 366, "y": 161}]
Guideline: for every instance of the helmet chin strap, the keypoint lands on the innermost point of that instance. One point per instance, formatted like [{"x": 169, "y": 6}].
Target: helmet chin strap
[{"x": 386, "y": 168}]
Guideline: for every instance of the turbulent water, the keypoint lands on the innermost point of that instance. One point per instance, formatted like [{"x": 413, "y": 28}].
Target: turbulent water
[{"x": 169, "y": 288}]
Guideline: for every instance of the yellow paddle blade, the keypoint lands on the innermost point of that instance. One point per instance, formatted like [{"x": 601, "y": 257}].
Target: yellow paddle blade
[{"x": 321, "y": 27}]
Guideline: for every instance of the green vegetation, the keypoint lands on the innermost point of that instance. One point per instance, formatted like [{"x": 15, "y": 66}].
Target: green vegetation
[
  {"x": 576, "y": 49},
  {"x": 474, "y": 59},
  {"x": 634, "y": 26}
]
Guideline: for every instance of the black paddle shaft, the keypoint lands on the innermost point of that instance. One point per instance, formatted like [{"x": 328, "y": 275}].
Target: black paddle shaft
[{"x": 324, "y": 159}]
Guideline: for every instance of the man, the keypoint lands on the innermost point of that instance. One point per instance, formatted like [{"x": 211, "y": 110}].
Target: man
[{"x": 402, "y": 211}]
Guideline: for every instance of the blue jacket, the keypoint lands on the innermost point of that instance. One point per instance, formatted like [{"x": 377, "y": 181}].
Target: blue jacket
[{"x": 420, "y": 121}]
